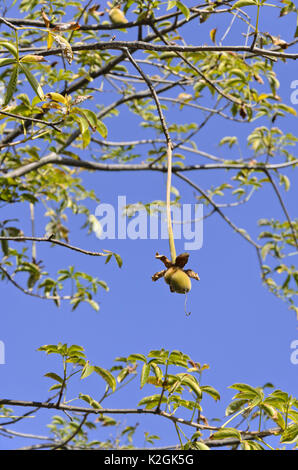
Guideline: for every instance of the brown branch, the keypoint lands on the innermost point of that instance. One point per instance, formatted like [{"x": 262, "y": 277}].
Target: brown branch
[
  {"x": 53, "y": 158},
  {"x": 85, "y": 81},
  {"x": 154, "y": 96},
  {"x": 100, "y": 411},
  {"x": 199, "y": 72},
  {"x": 54, "y": 241},
  {"x": 32, "y": 294},
  {"x": 133, "y": 46},
  {"x": 217, "y": 209},
  {"x": 197, "y": 10},
  {"x": 70, "y": 438},
  {"x": 277, "y": 192},
  {"x": 39, "y": 121}
]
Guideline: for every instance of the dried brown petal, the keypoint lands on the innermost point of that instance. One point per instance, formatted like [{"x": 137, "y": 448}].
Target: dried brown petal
[
  {"x": 181, "y": 260},
  {"x": 192, "y": 274},
  {"x": 158, "y": 275},
  {"x": 242, "y": 112},
  {"x": 45, "y": 18},
  {"x": 164, "y": 259}
]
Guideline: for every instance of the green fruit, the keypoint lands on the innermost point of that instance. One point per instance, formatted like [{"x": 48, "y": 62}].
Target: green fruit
[{"x": 178, "y": 280}]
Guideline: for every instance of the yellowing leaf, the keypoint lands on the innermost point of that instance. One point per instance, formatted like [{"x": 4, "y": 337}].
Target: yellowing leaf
[
  {"x": 56, "y": 97},
  {"x": 213, "y": 34},
  {"x": 50, "y": 40}
]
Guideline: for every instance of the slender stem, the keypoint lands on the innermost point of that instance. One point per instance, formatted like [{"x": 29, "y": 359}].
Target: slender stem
[
  {"x": 163, "y": 388},
  {"x": 256, "y": 28},
  {"x": 235, "y": 416},
  {"x": 168, "y": 202},
  {"x": 257, "y": 22},
  {"x": 33, "y": 232},
  {"x": 178, "y": 433},
  {"x": 169, "y": 152}
]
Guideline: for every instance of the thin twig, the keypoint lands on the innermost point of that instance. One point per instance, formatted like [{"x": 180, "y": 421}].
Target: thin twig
[{"x": 55, "y": 242}]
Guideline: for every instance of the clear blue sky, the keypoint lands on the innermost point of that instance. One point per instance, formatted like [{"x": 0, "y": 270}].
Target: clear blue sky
[{"x": 236, "y": 326}]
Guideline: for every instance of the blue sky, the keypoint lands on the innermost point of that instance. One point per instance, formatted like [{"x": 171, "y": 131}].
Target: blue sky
[{"x": 236, "y": 326}]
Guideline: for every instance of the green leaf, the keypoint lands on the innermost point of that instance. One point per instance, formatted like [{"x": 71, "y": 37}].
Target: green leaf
[
  {"x": 244, "y": 3},
  {"x": 283, "y": 179},
  {"x": 7, "y": 61},
  {"x": 251, "y": 445},
  {"x": 102, "y": 129},
  {"x": 10, "y": 47},
  {"x": 266, "y": 249},
  {"x": 290, "y": 435},
  {"x": 4, "y": 243},
  {"x": 52, "y": 375},
  {"x": 235, "y": 406},
  {"x": 226, "y": 433},
  {"x": 87, "y": 370},
  {"x": 33, "y": 82},
  {"x": 171, "y": 4},
  {"x": 90, "y": 401},
  {"x": 244, "y": 388},
  {"x": 191, "y": 382},
  {"x": 183, "y": 8},
  {"x": 107, "y": 376},
  {"x": 121, "y": 376},
  {"x": 118, "y": 259},
  {"x": 137, "y": 357},
  {"x": 199, "y": 446},
  {"x": 145, "y": 374},
  {"x": 83, "y": 123},
  {"x": 211, "y": 391},
  {"x": 12, "y": 84},
  {"x": 152, "y": 401}
]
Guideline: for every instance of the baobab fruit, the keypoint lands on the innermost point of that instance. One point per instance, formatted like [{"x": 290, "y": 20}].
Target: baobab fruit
[
  {"x": 178, "y": 280},
  {"x": 175, "y": 276}
]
